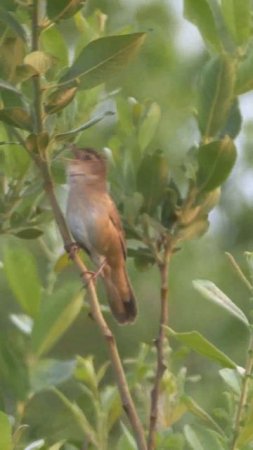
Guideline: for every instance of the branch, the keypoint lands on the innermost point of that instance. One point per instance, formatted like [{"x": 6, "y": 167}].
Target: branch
[
  {"x": 41, "y": 161},
  {"x": 126, "y": 398},
  {"x": 160, "y": 344},
  {"x": 244, "y": 394}
]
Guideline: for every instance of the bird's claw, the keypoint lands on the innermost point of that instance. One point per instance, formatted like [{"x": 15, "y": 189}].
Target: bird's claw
[{"x": 72, "y": 248}]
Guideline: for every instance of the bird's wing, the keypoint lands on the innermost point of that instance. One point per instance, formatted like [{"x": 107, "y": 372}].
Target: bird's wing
[{"x": 115, "y": 219}]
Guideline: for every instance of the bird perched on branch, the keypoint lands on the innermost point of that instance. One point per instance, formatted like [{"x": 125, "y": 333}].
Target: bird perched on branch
[{"x": 95, "y": 224}]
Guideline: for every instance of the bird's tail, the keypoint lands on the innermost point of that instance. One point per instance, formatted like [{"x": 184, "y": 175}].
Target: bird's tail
[{"x": 120, "y": 295}]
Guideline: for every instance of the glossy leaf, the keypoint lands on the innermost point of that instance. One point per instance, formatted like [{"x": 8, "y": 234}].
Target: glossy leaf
[
  {"x": 57, "y": 314},
  {"x": 39, "y": 61},
  {"x": 23, "y": 322},
  {"x": 211, "y": 292},
  {"x": 216, "y": 161},
  {"x": 232, "y": 379},
  {"x": 152, "y": 179},
  {"x": 59, "y": 100},
  {"x": 101, "y": 59},
  {"x": 5, "y": 432},
  {"x": 200, "y": 13},
  {"x": 216, "y": 94},
  {"x": 22, "y": 275},
  {"x": 16, "y": 117},
  {"x": 195, "y": 341},
  {"x": 35, "y": 445},
  {"x": 237, "y": 15},
  {"x": 83, "y": 127},
  {"x": 50, "y": 372},
  {"x": 63, "y": 9}
]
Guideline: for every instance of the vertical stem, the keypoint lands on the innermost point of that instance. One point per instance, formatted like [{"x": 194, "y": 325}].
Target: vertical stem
[
  {"x": 244, "y": 393},
  {"x": 160, "y": 368},
  {"x": 36, "y": 79}
]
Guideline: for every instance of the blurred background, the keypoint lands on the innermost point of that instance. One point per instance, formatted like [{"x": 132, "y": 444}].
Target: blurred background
[{"x": 166, "y": 71}]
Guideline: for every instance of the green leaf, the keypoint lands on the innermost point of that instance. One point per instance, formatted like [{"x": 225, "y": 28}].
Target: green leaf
[
  {"x": 200, "y": 13},
  {"x": 24, "y": 72},
  {"x": 23, "y": 322},
  {"x": 29, "y": 233},
  {"x": 59, "y": 100},
  {"x": 149, "y": 125},
  {"x": 233, "y": 124},
  {"x": 22, "y": 275},
  {"x": 232, "y": 378},
  {"x": 132, "y": 207},
  {"x": 195, "y": 341},
  {"x": 216, "y": 161},
  {"x": 203, "y": 439},
  {"x": 16, "y": 117},
  {"x": 53, "y": 43},
  {"x": 63, "y": 9},
  {"x": 237, "y": 15},
  {"x": 50, "y": 372},
  {"x": 83, "y": 127},
  {"x": 199, "y": 412},
  {"x": 4, "y": 85},
  {"x": 58, "y": 312},
  {"x": 79, "y": 416},
  {"x": 127, "y": 441},
  {"x": 8, "y": 18},
  {"x": 244, "y": 80},
  {"x": 246, "y": 433},
  {"x": 85, "y": 371},
  {"x": 17, "y": 161},
  {"x": 211, "y": 292},
  {"x": 36, "y": 445},
  {"x": 192, "y": 438},
  {"x": 5, "y": 432},
  {"x": 194, "y": 230},
  {"x": 41, "y": 62},
  {"x": 216, "y": 94},
  {"x": 101, "y": 59},
  {"x": 152, "y": 179},
  {"x": 111, "y": 405}
]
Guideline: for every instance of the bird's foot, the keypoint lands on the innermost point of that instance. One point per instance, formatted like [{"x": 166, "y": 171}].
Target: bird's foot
[
  {"x": 94, "y": 275},
  {"x": 72, "y": 248}
]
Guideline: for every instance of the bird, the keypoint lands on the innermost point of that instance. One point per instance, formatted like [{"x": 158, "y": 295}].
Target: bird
[{"x": 95, "y": 225}]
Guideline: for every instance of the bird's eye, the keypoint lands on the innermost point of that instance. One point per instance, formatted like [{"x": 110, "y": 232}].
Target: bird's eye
[{"x": 87, "y": 157}]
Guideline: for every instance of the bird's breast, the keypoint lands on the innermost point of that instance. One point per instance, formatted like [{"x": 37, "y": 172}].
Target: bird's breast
[{"x": 88, "y": 223}]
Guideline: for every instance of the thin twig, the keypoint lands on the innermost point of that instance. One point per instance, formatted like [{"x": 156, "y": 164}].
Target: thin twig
[
  {"x": 126, "y": 398},
  {"x": 244, "y": 394},
  {"x": 160, "y": 344},
  {"x": 239, "y": 271}
]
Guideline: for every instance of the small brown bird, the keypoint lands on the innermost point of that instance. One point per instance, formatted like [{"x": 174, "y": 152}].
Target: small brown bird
[{"x": 95, "y": 225}]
